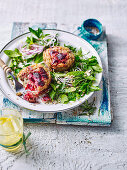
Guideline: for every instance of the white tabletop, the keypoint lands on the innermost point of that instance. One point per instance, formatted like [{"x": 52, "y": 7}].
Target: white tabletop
[{"x": 70, "y": 147}]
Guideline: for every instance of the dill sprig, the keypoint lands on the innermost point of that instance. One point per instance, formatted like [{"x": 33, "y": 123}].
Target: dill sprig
[{"x": 24, "y": 141}]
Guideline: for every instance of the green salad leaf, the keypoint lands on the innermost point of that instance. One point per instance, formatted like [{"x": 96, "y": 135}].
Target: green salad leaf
[
  {"x": 16, "y": 60},
  {"x": 13, "y": 54},
  {"x": 73, "y": 49},
  {"x": 64, "y": 98},
  {"x": 70, "y": 89},
  {"x": 97, "y": 68},
  {"x": 31, "y": 40},
  {"x": 76, "y": 73},
  {"x": 59, "y": 75},
  {"x": 53, "y": 86},
  {"x": 37, "y": 33},
  {"x": 38, "y": 58},
  {"x": 52, "y": 94},
  {"x": 90, "y": 78},
  {"x": 95, "y": 88}
]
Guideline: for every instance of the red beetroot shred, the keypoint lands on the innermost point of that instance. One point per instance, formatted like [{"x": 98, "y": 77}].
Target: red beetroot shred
[
  {"x": 58, "y": 57},
  {"x": 46, "y": 98},
  {"x": 30, "y": 97}
]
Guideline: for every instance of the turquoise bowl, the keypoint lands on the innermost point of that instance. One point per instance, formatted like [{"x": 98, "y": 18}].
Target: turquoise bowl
[{"x": 92, "y": 29}]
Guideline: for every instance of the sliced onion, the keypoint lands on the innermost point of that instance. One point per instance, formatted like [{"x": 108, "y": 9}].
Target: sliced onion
[{"x": 34, "y": 49}]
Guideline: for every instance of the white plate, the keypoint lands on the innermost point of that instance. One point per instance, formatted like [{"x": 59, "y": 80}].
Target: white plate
[{"x": 64, "y": 37}]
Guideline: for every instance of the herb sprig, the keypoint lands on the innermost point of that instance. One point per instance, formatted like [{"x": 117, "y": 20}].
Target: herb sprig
[
  {"x": 24, "y": 141},
  {"x": 16, "y": 60},
  {"x": 88, "y": 109}
]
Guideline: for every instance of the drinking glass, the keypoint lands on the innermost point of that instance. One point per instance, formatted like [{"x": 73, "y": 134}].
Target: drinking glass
[{"x": 11, "y": 129}]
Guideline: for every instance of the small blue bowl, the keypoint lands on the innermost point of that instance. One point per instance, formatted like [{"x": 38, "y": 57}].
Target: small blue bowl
[{"x": 92, "y": 29}]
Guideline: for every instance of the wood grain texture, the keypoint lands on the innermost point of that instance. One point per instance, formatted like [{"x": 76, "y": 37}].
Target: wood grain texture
[{"x": 68, "y": 147}]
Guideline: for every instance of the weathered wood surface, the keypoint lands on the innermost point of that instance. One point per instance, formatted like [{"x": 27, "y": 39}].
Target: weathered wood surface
[{"x": 70, "y": 147}]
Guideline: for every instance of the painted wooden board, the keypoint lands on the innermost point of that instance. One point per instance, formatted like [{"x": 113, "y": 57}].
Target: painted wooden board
[{"x": 102, "y": 115}]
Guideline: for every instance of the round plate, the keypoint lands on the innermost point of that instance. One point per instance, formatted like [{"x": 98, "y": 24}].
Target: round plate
[{"x": 65, "y": 38}]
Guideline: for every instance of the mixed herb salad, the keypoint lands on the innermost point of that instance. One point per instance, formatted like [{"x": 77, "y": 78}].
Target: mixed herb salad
[{"x": 65, "y": 86}]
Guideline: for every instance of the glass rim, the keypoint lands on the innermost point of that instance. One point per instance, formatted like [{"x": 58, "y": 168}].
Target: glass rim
[{"x": 7, "y": 134}]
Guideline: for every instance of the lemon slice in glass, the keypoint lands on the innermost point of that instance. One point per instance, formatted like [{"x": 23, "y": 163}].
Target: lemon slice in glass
[{"x": 11, "y": 129}]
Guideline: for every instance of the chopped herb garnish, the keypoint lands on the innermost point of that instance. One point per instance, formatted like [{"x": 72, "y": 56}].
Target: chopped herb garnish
[
  {"x": 64, "y": 98},
  {"x": 38, "y": 33},
  {"x": 13, "y": 54},
  {"x": 88, "y": 109}
]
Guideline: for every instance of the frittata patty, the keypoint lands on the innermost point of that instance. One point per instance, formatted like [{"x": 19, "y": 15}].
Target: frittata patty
[
  {"x": 35, "y": 78},
  {"x": 59, "y": 58}
]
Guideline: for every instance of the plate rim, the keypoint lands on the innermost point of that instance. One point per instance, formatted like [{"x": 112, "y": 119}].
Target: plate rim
[{"x": 45, "y": 111}]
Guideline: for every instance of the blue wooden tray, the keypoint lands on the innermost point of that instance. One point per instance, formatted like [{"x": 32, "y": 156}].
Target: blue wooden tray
[{"x": 102, "y": 115}]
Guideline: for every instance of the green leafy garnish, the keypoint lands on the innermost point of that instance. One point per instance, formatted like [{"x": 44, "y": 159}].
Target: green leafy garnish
[
  {"x": 95, "y": 88},
  {"x": 53, "y": 86},
  {"x": 52, "y": 94},
  {"x": 31, "y": 40},
  {"x": 38, "y": 58},
  {"x": 17, "y": 70},
  {"x": 88, "y": 109},
  {"x": 37, "y": 33},
  {"x": 90, "y": 78},
  {"x": 13, "y": 54},
  {"x": 10, "y": 77},
  {"x": 76, "y": 73},
  {"x": 59, "y": 74},
  {"x": 16, "y": 60},
  {"x": 97, "y": 68},
  {"x": 73, "y": 49},
  {"x": 64, "y": 98},
  {"x": 70, "y": 89}
]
